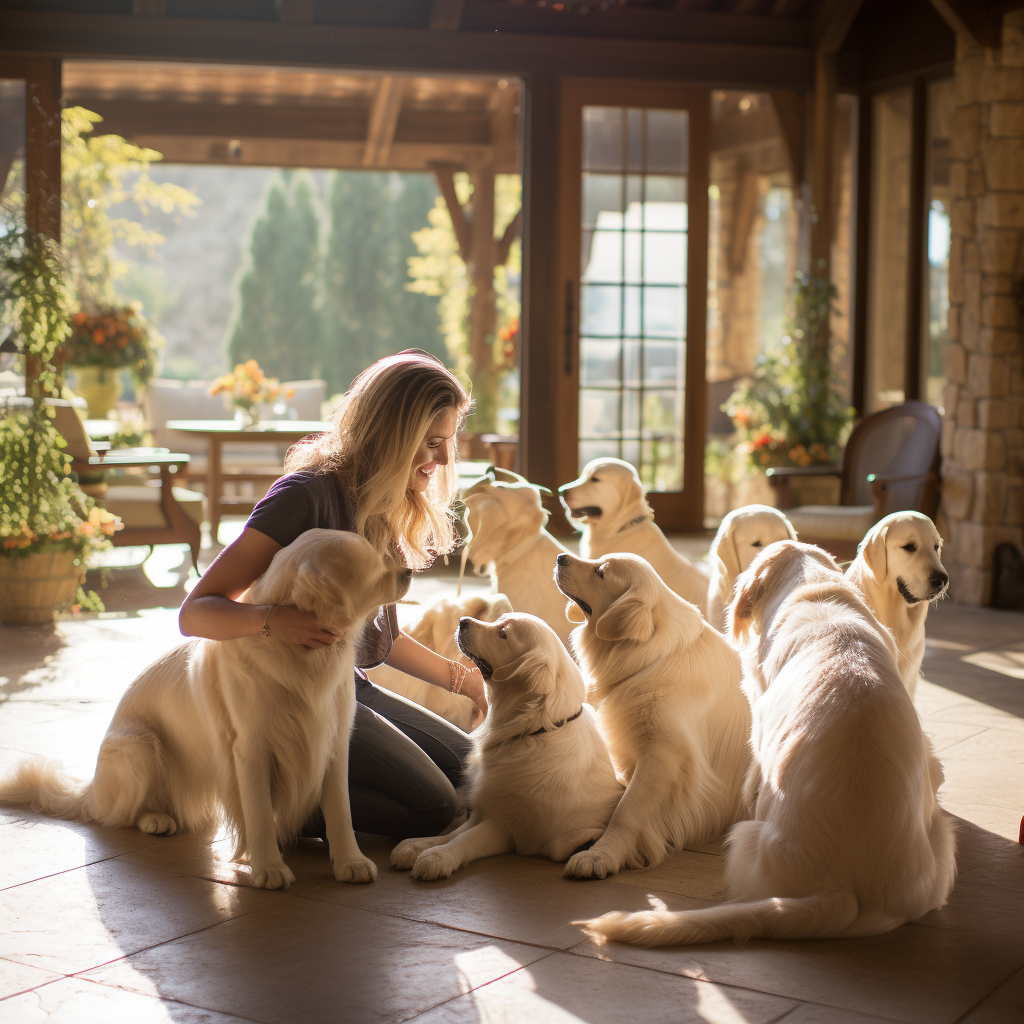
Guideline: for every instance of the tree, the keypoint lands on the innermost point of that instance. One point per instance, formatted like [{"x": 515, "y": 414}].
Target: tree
[
  {"x": 276, "y": 320},
  {"x": 367, "y": 312}
]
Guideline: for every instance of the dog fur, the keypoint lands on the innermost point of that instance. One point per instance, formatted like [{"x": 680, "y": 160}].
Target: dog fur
[
  {"x": 606, "y": 500},
  {"x": 898, "y": 573},
  {"x": 544, "y": 794},
  {"x": 848, "y": 838},
  {"x": 508, "y": 540},
  {"x": 666, "y": 686},
  {"x": 742, "y": 535},
  {"x": 255, "y": 730}
]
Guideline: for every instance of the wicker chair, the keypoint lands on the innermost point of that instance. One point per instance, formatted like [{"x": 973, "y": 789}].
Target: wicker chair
[{"x": 891, "y": 463}]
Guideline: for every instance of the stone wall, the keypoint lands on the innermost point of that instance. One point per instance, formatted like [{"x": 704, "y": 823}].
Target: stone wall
[{"x": 983, "y": 434}]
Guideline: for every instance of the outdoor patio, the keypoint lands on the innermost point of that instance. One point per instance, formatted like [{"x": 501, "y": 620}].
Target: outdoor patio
[{"x": 104, "y": 925}]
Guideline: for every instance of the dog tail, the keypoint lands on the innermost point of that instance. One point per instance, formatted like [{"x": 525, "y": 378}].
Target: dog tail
[
  {"x": 825, "y": 915},
  {"x": 43, "y": 787}
]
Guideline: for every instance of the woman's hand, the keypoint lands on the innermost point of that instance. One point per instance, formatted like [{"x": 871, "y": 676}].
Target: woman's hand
[
  {"x": 473, "y": 687},
  {"x": 298, "y": 626}
]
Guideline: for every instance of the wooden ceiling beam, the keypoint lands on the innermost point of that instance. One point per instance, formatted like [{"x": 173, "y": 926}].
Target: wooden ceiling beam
[
  {"x": 752, "y": 57},
  {"x": 974, "y": 20},
  {"x": 789, "y": 112},
  {"x": 380, "y": 133},
  {"x": 832, "y": 22},
  {"x": 446, "y": 15}
]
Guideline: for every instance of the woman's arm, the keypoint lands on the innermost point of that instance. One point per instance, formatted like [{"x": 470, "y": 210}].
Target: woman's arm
[
  {"x": 408, "y": 655},
  {"x": 213, "y": 611}
]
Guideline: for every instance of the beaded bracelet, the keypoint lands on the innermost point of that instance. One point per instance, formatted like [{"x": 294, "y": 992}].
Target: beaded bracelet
[
  {"x": 457, "y": 673},
  {"x": 265, "y": 628}
]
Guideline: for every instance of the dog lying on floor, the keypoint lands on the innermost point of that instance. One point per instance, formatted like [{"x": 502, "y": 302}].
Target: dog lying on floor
[
  {"x": 254, "y": 729},
  {"x": 666, "y": 687},
  {"x": 540, "y": 776},
  {"x": 507, "y": 539},
  {"x": 898, "y": 572},
  {"x": 436, "y": 630},
  {"x": 608, "y": 502},
  {"x": 741, "y": 537},
  {"x": 848, "y": 838}
]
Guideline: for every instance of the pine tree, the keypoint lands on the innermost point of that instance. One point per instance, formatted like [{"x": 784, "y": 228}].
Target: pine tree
[{"x": 277, "y": 317}]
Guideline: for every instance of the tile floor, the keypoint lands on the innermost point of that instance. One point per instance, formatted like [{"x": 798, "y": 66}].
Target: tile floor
[{"x": 114, "y": 925}]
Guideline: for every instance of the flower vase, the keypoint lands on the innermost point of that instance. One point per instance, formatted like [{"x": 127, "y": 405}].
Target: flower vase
[
  {"x": 247, "y": 418},
  {"x": 100, "y": 386},
  {"x": 34, "y": 587}
]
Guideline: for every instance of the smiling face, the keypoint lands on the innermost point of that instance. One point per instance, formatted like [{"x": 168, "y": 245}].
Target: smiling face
[
  {"x": 604, "y": 488},
  {"x": 753, "y": 532},
  {"x": 435, "y": 449},
  {"x": 912, "y": 550}
]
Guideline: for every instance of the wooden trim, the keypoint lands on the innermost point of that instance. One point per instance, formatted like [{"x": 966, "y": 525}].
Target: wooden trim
[
  {"x": 862, "y": 251},
  {"x": 380, "y": 132},
  {"x": 822, "y": 164},
  {"x": 917, "y": 226},
  {"x": 752, "y": 63},
  {"x": 974, "y": 20},
  {"x": 833, "y": 22},
  {"x": 42, "y": 149},
  {"x": 446, "y": 15}
]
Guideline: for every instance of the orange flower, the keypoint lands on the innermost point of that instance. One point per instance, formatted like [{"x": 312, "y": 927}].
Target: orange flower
[
  {"x": 80, "y": 318},
  {"x": 98, "y": 336}
]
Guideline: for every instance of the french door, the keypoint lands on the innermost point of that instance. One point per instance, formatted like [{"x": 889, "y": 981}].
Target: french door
[{"x": 633, "y": 260}]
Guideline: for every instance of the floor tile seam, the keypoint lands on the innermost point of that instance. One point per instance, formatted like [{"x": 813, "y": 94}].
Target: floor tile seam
[
  {"x": 811, "y": 1002},
  {"x": 162, "y": 998},
  {"x": 438, "y": 924},
  {"x": 61, "y": 976},
  {"x": 991, "y": 991},
  {"x": 475, "y": 988},
  {"x": 55, "y": 874}
]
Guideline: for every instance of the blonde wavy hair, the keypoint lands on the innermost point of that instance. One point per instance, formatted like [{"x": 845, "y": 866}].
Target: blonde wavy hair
[{"x": 380, "y": 425}]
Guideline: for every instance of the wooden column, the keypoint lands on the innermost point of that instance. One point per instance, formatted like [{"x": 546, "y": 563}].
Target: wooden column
[
  {"x": 482, "y": 313},
  {"x": 42, "y": 151},
  {"x": 917, "y": 228},
  {"x": 862, "y": 254},
  {"x": 822, "y": 164},
  {"x": 541, "y": 360}
]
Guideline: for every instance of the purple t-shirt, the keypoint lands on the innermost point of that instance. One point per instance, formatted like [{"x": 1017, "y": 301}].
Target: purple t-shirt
[{"x": 307, "y": 501}]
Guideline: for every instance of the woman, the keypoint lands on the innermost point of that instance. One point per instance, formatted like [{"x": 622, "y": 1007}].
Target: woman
[{"x": 386, "y": 471}]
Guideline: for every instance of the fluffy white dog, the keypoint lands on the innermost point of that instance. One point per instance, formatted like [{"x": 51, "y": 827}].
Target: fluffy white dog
[
  {"x": 848, "y": 837},
  {"x": 608, "y": 502},
  {"x": 508, "y": 540},
  {"x": 256, "y": 728},
  {"x": 743, "y": 534},
  {"x": 540, "y": 777},
  {"x": 898, "y": 572},
  {"x": 666, "y": 686}
]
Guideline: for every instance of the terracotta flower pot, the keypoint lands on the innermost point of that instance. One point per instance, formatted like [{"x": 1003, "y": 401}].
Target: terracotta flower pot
[{"x": 34, "y": 587}]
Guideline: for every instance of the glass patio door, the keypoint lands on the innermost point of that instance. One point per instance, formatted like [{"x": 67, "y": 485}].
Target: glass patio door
[{"x": 634, "y": 246}]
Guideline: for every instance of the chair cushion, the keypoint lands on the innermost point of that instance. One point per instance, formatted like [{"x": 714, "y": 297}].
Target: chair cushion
[
  {"x": 832, "y": 522},
  {"x": 138, "y": 505}
]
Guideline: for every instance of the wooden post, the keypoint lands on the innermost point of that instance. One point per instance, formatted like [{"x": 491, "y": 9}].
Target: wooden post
[
  {"x": 482, "y": 312},
  {"x": 917, "y": 228},
  {"x": 822, "y": 164}
]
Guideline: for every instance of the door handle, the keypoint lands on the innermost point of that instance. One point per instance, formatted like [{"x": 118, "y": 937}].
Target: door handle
[{"x": 569, "y": 335}]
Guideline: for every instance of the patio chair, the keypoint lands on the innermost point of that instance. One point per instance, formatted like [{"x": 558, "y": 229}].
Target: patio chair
[
  {"x": 153, "y": 511},
  {"x": 891, "y": 464}
]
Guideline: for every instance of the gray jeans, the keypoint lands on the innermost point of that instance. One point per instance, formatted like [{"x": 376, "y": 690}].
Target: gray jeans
[{"x": 404, "y": 763}]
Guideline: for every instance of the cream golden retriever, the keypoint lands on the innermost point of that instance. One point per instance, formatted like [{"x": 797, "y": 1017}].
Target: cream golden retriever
[
  {"x": 255, "y": 728},
  {"x": 608, "y": 502},
  {"x": 540, "y": 777},
  {"x": 507, "y": 539},
  {"x": 743, "y": 534},
  {"x": 666, "y": 686},
  {"x": 848, "y": 838},
  {"x": 898, "y": 572},
  {"x": 436, "y": 629}
]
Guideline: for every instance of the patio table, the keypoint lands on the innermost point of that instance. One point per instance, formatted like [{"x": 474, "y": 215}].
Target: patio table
[{"x": 220, "y": 432}]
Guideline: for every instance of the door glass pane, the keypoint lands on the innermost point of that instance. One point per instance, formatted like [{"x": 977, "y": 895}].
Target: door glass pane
[
  {"x": 936, "y": 325},
  {"x": 634, "y": 224},
  {"x": 12, "y": 153},
  {"x": 890, "y": 191}
]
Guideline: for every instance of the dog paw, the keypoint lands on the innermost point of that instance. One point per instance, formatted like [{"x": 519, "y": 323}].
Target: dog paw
[
  {"x": 157, "y": 824},
  {"x": 432, "y": 864},
  {"x": 274, "y": 876},
  {"x": 592, "y": 863},
  {"x": 361, "y": 870},
  {"x": 404, "y": 855}
]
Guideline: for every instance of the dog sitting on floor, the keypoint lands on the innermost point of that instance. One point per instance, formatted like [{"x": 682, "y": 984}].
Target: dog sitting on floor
[
  {"x": 607, "y": 500},
  {"x": 254, "y": 730}
]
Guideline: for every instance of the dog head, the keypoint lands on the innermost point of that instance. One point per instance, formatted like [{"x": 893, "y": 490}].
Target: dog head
[
  {"x": 744, "y": 534},
  {"x": 499, "y": 516},
  {"x": 904, "y": 548},
  {"x": 608, "y": 493},
  {"x": 437, "y": 626},
  {"x": 770, "y": 578},
  {"x": 531, "y": 680},
  {"x": 335, "y": 574}
]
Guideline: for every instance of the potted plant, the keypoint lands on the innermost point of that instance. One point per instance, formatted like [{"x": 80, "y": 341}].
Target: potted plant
[
  {"x": 246, "y": 389},
  {"x": 48, "y": 527},
  {"x": 102, "y": 341}
]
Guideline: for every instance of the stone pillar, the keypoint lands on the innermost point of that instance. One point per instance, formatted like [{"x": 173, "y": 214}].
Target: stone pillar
[{"x": 983, "y": 434}]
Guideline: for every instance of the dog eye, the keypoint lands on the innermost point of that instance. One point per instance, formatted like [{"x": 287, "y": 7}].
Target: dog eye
[
  {"x": 600, "y": 571},
  {"x": 756, "y": 544},
  {"x": 936, "y": 547},
  {"x": 501, "y": 633},
  {"x": 594, "y": 480},
  {"x": 910, "y": 547}
]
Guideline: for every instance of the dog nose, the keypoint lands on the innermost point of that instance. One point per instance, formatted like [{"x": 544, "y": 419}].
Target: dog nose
[
  {"x": 463, "y": 623},
  {"x": 562, "y": 490},
  {"x": 562, "y": 559},
  {"x": 938, "y": 580},
  {"x": 407, "y": 574}
]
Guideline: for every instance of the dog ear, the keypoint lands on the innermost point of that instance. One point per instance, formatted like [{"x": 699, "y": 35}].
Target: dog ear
[
  {"x": 872, "y": 547},
  {"x": 485, "y": 519},
  {"x": 790, "y": 528},
  {"x": 533, "y": 666},
  {"x": 629, "y": 618},
  {"x": 741, "y": 613}
]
